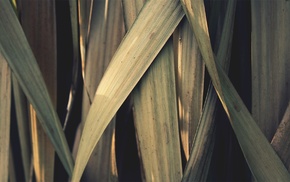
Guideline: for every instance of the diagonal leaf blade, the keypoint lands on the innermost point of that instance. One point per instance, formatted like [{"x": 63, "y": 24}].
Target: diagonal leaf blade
[
  {"x": 18, "y": 54},
  {"x": 280, "y": 141},
  {"x": 197, "y": 166},
  {"x": 106, "y": 33},
  {"x": 262, "y": 159},
  {"x": 154, "y": 25}
]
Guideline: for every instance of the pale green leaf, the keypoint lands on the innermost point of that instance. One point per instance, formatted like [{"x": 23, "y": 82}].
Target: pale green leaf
[
  {"x": 262, "y": 159},
  {"x": 106, "y": 33},
  {"x": 190, "y": 83},
  {"x": 156, "y": 120},
  {"x": 154, "y": 25},
  {"x": 131, "y": 10},
  {"x": 18, "y": 54}
]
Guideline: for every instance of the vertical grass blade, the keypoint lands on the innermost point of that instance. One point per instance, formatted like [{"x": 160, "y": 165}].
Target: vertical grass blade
[
  {"x": 270, "y": 63},
  {"x": 106, "y": 33},
  {"x": 152, "y": 28},
  {"x": 76, "y": 59},
  {"x": 156, "y": 120},
  {"x": 155, "y": 113},
  {"x": 262, "y": 159},
  {"x": 190, "y": 79},
  {"x": 5, "y": 105},
  {"x": 200, "y": 158},
  {"x": 39, "y": 25},
  {"x": 23, "y": 127},
  {"x": 131, "y": 10},
  {"x": 84, "y": 10},
  {"x": 43, "y": 152},
  {"x": 18, "y": 54}
]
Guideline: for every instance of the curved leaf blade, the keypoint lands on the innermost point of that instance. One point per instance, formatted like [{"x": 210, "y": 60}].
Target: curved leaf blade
[
  {"x": 155, "y": 23},
  {"x": 262, "y": 159},
  {"x": 197, "y": 166},
  {"x": 15, "y": 49}
]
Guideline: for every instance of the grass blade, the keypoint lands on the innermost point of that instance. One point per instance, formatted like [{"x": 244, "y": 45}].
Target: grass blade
[
  {"x": 198, "y": 164},
  {"x": 76, "y": 59},
  {"x": 106, "y": 33},
  {"x": 262, "y": 159},
  {"x": 41, "y": 34},
  {"x": 156, "y": 120},
  {"x": 84, "y": 10},
  {"x": 5, "y": 104},
  {"x": 270, "y": 63},
  {"x": 131, "y": 10},
  {"x": 43, "y": 152},
  {"x": 154, "y": 25},
  {"x": 23, "y": 127},
  {"x": 18, "y": 54},
  {"x": 190, "y": 79}
]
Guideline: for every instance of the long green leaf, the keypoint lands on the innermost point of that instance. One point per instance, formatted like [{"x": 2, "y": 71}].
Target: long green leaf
[
  {"x": 106, "y": 33},
  {"x": 15, "y": 49},
  {"x": 39, "y": 25},
  {"x": 198, "y": 164},
  {"x": 270, "y": 63},
  {"x": 84, "y": 8},
  {"x": 156, "y": 120},
  {"x": 262, "y": 159},
  {"x": 190, "y": 83},
  {"x": 155, "y": 113},
  {"x": 154, "y": 25},
  {"x": 5, "y": 105}
]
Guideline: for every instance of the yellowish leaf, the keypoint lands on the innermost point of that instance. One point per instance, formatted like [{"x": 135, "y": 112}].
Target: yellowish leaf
[
  {"x": 156, "y": 120},
  {"x": 190, "y": 83},
  {"x": 152, "y": 28}
]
